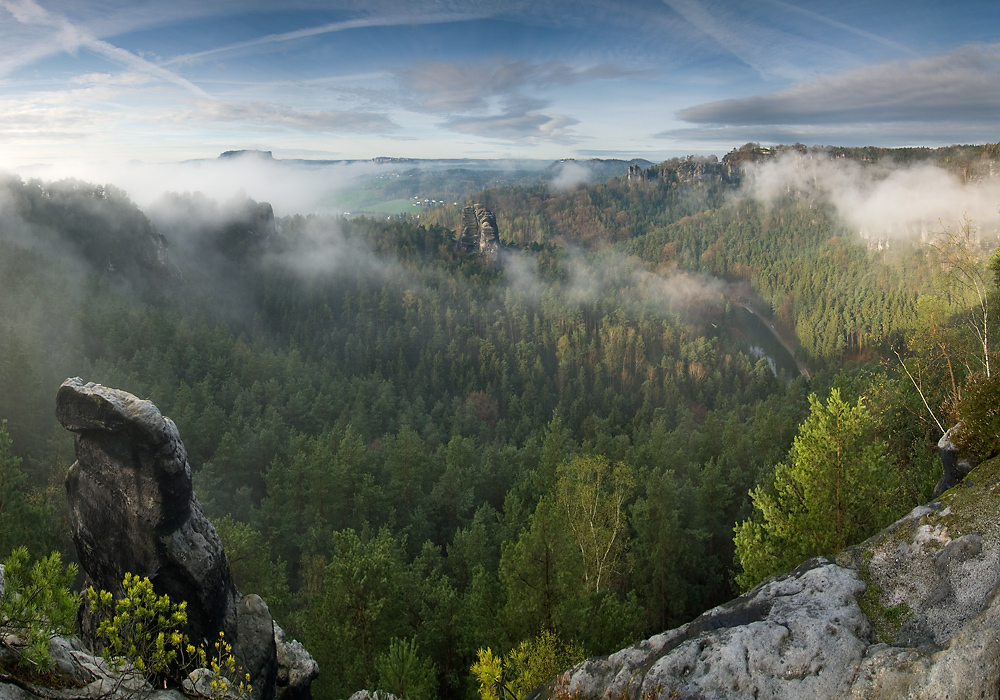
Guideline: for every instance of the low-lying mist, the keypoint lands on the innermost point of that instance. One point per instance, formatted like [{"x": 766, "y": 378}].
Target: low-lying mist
[
  {"x": 884, "y": 200},
  {"x": 290, "y": 187}
]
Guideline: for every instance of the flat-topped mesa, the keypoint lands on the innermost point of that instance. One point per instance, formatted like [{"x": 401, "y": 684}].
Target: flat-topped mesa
[{"x": 132, "y": 508}]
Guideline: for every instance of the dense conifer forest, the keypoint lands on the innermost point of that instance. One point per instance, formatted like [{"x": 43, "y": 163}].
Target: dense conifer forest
[{"x": 408, "y": 451}]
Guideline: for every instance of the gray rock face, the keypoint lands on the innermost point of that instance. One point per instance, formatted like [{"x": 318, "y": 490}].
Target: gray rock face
[
  {"x": 132, "y": 508},
  {"x": 637, "y": 174},
  {"x": 296, "y": 668},
  {"x": 256, "y": 652},
  {"x": 91, "y": 679},
  {"x": 956, "y": 463},
  {"x": 911, "y": 613},
  {"x": 478, "y": 234},
  {"x": 691, "y": 170},
  {"x": 372, "y": 695},
  {"x": 796, "y": 636}
]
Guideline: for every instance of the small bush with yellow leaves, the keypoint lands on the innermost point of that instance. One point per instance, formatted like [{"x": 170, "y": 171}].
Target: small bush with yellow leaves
[{"x": 142, "y": 637}]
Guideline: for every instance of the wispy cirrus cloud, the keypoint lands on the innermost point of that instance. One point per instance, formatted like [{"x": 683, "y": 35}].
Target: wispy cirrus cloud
[
  {"x": 494, "y": 99},
  {"x": 836, "y": 24},
  {"x": 319, "y": 30},
  {"x": 124, "y": 79},
  {"x": 445, "y": 86},
  {"x": 277, "y": 116},
  {"x": 69, "y": 37}
]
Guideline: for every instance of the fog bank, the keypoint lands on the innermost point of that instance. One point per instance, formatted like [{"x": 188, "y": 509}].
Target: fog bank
[{"x": 880, "y": 200}]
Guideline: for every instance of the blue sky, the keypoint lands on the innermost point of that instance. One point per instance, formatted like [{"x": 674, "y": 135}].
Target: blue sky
[{"x": 158, "y": 81}]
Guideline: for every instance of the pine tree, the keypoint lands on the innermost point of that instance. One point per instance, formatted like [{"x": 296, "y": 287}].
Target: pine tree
[{"x": 835, "y": 489}]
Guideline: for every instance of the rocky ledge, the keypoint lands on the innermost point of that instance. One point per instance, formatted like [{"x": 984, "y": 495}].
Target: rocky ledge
[{"x": 913, "y": 612}]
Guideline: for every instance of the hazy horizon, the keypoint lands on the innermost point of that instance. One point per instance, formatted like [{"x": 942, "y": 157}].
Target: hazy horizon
[{"x": 115, "y": 81}]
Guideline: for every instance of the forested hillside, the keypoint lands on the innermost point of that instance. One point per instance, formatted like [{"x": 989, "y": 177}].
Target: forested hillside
[{"x": 403, "y": 448}]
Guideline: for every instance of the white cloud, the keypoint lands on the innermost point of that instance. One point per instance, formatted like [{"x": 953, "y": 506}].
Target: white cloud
[
  {"x": 403, "y": 18},
  {"x": 125, "y": 79},
  {"x": 879, "y": 200},
  {"x": 64, "y": 35},
  {"x": 518, "y": 124},
  {"x": 445, "y": 86},
  {"x": 571, "y": 174},
  {"x": 492, "y": 99}
]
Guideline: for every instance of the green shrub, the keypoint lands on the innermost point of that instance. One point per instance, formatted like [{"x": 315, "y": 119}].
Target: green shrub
[
  {"x": 35, "y": 606},
  {"x": 142, "y": 641},
  {"x": 531, "y": 664},
  {"x": 140, "y": 629}
]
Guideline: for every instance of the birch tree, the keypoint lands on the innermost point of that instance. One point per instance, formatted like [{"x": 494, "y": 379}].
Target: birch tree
[
  {"x": 593, "y": 493},
  {"x": 965, "y": 266}
]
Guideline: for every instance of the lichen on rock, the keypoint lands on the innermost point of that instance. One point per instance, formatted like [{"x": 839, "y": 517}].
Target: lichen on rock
[{"x": 911, "y": 612}]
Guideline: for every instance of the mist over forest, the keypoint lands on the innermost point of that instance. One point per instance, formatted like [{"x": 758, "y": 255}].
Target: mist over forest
[{"x": 382, "y": 420}]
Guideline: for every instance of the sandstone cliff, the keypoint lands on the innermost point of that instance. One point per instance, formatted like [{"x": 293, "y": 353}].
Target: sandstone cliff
[
  {"x": 913, "y": 612},
  {"x": 693, "y": 170},
  {"x": 478, "y": 234}
]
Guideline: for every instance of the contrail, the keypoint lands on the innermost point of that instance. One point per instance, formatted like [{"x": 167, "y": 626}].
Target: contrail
[
  {"x": 846, "y": 27},
  {"x": 70, "y": 38},
  {"x": 325, "y": 29}
]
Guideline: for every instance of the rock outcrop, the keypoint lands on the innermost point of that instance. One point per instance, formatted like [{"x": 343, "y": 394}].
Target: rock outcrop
[
  {"x": 913, "y": 612},
  {"x": 956, "y": 463},
  {"x": 132, "y": 508},
  {"x": 479, "y": 235},
  {"x": 296, "y": 668},
  {"x": 249, "y": 227},
  {"x": 637, "y": 174},
  {"x": 693, "y": 170},
  {"x": 89, "y": 676}
]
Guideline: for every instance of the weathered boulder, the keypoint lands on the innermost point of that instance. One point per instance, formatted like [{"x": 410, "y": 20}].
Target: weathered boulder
[
  {"x": 956, "y": 462},
  {"x": 296, "y": 668},
  {"x": 132, "y": 508},
  {"x": 912, "y": 612},
  {"x": 87, "y": 677},
  {"x": 372, "y": 695},
  {"x": 256, "y": 650}
]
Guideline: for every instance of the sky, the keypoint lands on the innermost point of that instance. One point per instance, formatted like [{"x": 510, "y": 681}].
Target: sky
[{"x": 118, "y": 81}]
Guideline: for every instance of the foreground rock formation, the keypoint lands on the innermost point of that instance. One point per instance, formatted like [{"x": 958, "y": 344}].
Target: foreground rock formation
[
  {"x": 132, "y": 508},
  {"x": 914, "y": 612}
]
